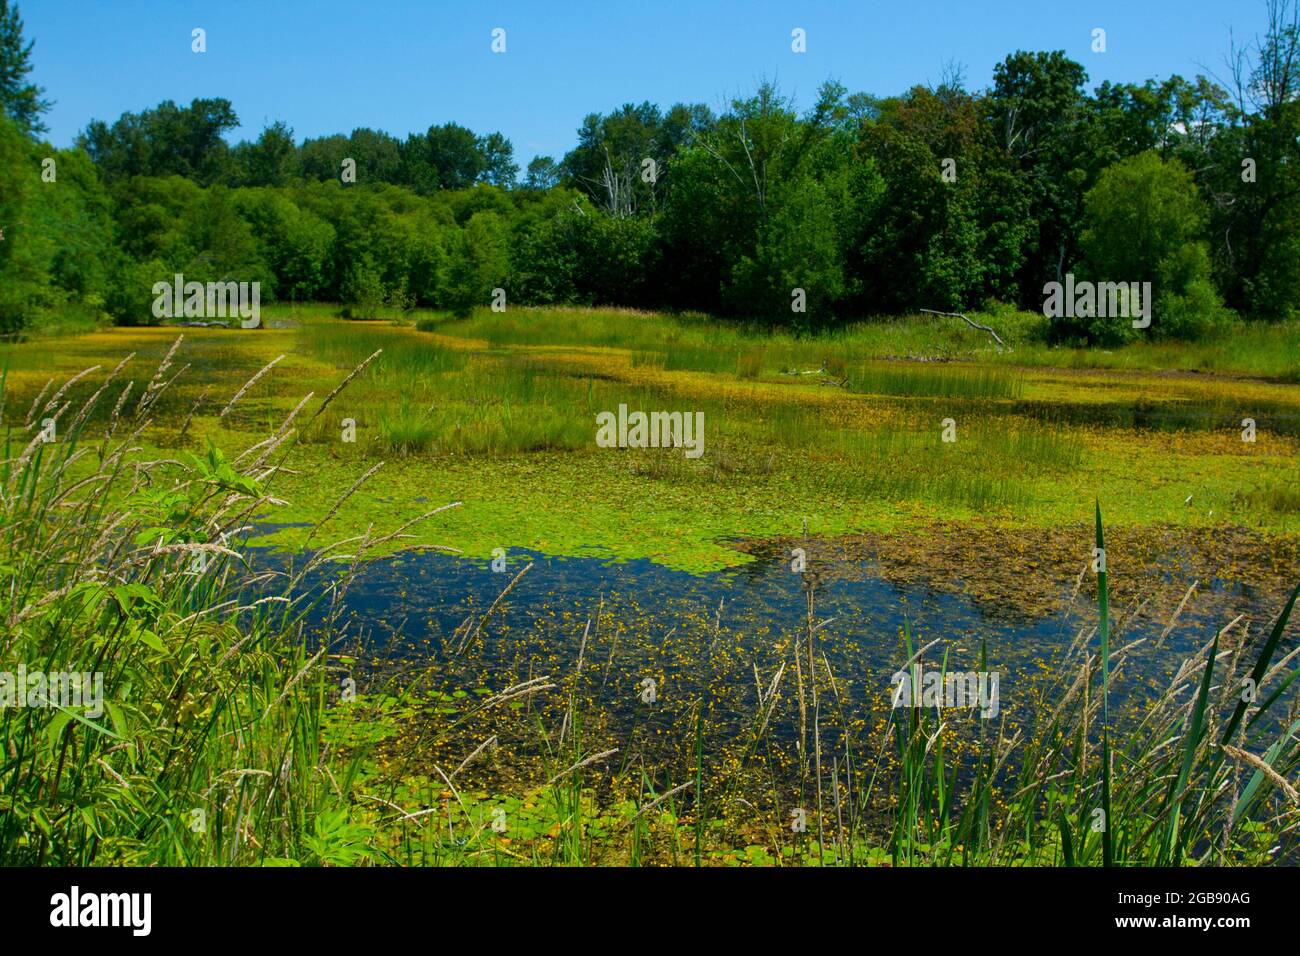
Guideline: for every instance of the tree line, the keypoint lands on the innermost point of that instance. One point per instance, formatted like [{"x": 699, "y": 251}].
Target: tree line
[{"x": 940, "y": 197}]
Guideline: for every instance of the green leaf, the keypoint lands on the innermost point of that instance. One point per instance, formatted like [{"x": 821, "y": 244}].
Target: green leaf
[
  {"x": 150, "y": 639},
  {"x": 1189, "y": 753},
  {"x": 55, "y": 727},
  {"x": 117, "y": 717},
  {"x": 1261, "y": 665}
]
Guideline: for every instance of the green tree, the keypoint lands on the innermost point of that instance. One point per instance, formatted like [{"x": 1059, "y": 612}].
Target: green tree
[
  {"x": 449, "y": 157},
  {"x": 1036, "y": 109},
  {"x": 362, "y": 290},
  {"x": 758, "y": 206},
  {"x": 1142, "y": 223},
  {"x": 499, "y": 166},
  {"x": 479, "y": 264},
  {"x": 609, "y": 162},
  {"x": 20, "y": 100},
  {"x": 543, "y": 173},
  {"x": 1252, "y": 175},
  {"x": 167, "y": 141},
  {"x": 378, "y": 156},
  {"x": 947, "y": 227},
  {"x": 322, "y": 157},
  {"x": 23, "y": 289},
  {"x": 295, "y": 242},
  {"x": 271, "y": 161},
  {"x": 57, "y": 248}
]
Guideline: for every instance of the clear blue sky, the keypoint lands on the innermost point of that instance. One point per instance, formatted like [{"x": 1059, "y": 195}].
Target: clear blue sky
[{"x": 327, "y": 66}]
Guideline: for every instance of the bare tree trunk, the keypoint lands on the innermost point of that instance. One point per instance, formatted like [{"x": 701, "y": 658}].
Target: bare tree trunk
[{"x": 972, "y": 324}]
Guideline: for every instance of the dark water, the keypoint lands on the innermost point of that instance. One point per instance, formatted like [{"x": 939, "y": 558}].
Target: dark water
[{"x": 410, "y": 605}]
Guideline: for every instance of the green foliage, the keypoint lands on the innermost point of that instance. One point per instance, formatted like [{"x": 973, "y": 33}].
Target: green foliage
[
  {"x": 938, "y": 198},
  {"x": 1142, "y": 220},
  {"x": 1039, "y": 116},
  {"x": 609, "y": 162},
  {"x": 480, "y": 262},
  {"x": 169, "y": 140},
  {"x": 362, "y": 289},
  {"x": 196, "y": 731},
  {"x": 1251, "y": 173},
  {"x": 295, "y": 243},
  {"x": 271, "y": 161},
  {"x": 941, "y": 222},
  {"x": 57, "y": 250},
  {"x": 543, "y": 173},
  {"x": 20, "y": 100}
]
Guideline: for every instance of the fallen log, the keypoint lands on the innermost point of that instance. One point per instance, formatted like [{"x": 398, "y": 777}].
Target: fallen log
[{"x": 972, "y": 324}]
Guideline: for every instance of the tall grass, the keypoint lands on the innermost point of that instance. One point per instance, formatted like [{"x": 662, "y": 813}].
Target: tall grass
[
  {"x": 209, "y": 749},
  {"x": 406, "y": 357},
  {"x": 935, "y": 381},
  {"x": 512, "y": 403},
  {"x": 1166, "y": 791},
  {"x": 1264, "y": 349},
  {"x": 223, "y": 741}
]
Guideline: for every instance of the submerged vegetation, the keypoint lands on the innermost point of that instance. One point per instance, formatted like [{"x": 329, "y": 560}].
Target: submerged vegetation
[{"x": 245, "y": 719}]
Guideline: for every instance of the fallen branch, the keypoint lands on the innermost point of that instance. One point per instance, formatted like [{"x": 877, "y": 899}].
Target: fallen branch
[{"x": 973, "y": 325}]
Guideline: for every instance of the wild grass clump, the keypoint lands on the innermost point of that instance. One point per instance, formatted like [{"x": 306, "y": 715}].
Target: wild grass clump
[
  {"x": 935, "y": 381},
  {"x": 1279, "y": 496},
  {"x": 405, "y": 356},
  {"x": 206, "y": 745},
  {"x": 407, "y": 430}
]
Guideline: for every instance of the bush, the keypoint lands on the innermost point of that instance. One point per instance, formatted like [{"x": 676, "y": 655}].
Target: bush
[
  {"x": 1015, "y": 326},
  {"x": 1197, "y": 313},
  {"x": 362, "y": 290},
  {"x": 480, "y": 264},
  {"x": 1142, "y": 222},
  {"x": 130, "y": 290}
]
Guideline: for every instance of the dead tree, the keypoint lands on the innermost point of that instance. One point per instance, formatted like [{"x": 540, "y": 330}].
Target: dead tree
[{"x": 972, "y": 324}]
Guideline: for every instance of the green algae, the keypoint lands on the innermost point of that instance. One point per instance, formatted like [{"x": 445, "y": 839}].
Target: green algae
[{"x": 508, "y": 431}]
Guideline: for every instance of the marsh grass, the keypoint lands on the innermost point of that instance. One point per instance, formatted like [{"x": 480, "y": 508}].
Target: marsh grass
[
  {"x": 935, "y": 381},
  {"x": 1278, "y": 496},
  {"x": 445, "y": 412},
  {"x": 221, "y": 699},
  {"x": 407, "y": 430},
  {"x": 502, "y": 404},
  {"x": 1070, "y": 788},
  {"x": 209, "y": 750},
  {"x": 406, "y": 357},
  {"x": 1262, "y": 349},
  {"x": 224, "y": 741}
]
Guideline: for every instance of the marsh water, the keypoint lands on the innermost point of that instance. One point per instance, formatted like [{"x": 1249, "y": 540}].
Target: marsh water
[{"x": 643, "y": 619}]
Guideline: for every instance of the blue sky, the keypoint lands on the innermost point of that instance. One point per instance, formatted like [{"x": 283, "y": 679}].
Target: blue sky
[{"x": 328, "y": 66}]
